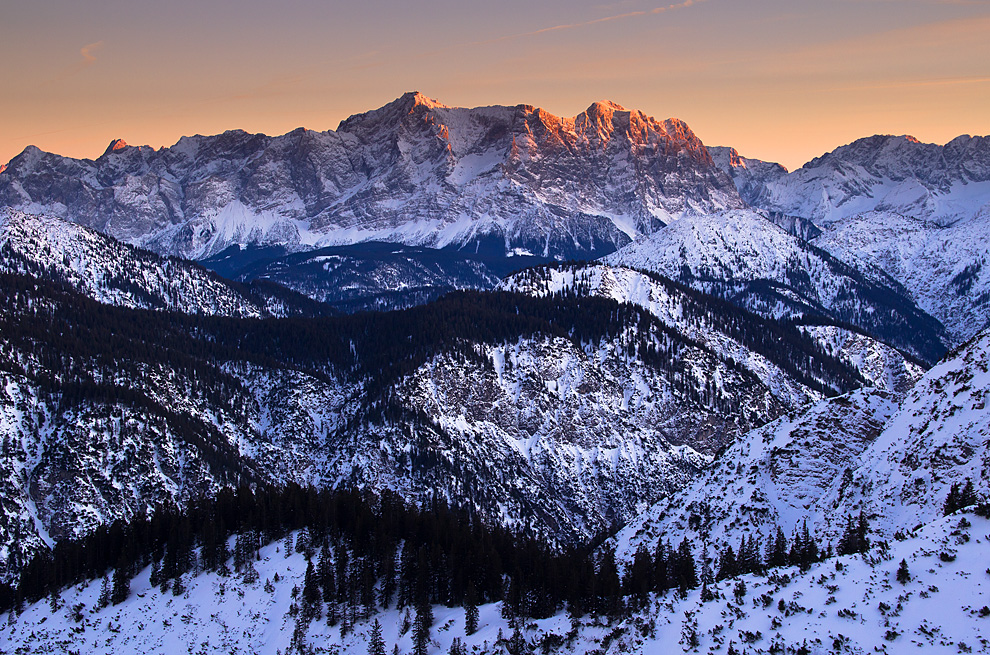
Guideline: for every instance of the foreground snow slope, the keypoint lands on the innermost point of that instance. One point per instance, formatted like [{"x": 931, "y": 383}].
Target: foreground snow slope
[{"x": 851, "y": 604}]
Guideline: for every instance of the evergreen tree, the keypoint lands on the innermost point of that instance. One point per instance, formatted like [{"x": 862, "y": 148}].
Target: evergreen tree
[
  {"x": 804, "y": 548},
  {"x": 312, "y": 597},
  {"x": 727, "y": 564},
  {"x": 685, "y": 573},
  {"x": 960, "y": 497},
  {"x": 854, "y": 538},
  {"x": 661, "y": 568},
  {"x": 517, "y": 643},
  {"x": 422, "y": 627},
  {"x": 777, "y": 550},
  {"x": 903, "y": 574},
  {"x": 639, "y": 579},
  {"x": 376, "y": 643},
  {"x": 104, "y": 599},
  {"x": 121, "y": 584},
  {"x": 457, "y": 647},
  {"x": 609, "y": 587},
  {"x": 471, "y": 610}
]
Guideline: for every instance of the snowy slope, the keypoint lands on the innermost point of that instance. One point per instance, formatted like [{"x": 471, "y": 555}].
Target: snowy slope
[
  {"x": 895, "y": 174},
  {"x": 859, "y": 452},
  {"x": 413, "y": 172},
  {"x": 564, "y": 428},
  {"x": 942, "y": 267},
  {"x": 852, "y": 604},
  {"x": 743, "y": 257},
  {"x": 919, "y": 212},
  {"x": 118, "y": 274},
  {"x": 884, "y": 367},
  {"x": 881, "y": 365}
]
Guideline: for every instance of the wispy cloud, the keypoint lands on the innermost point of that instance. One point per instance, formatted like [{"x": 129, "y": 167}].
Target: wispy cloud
[
  {"x": 88, "y": 54},
  {"x": 588, "y": 23},
  {"x": 909, "y": 83}
]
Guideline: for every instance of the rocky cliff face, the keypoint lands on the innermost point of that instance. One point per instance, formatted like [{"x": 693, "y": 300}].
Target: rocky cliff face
[
  {"x": 862, "y": 452},
  {"x": 505, "y": 179}
]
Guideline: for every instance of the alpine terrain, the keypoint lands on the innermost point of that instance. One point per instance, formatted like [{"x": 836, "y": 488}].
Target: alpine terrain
[{"x": 489, "y": 380}]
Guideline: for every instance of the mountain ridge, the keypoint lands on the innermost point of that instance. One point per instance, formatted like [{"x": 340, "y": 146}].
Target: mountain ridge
[{"x": 491, "y": 177}]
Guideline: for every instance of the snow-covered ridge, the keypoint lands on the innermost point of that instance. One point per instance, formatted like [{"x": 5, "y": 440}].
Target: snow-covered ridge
[
  {"x": 896, "y": 174},
  {"x": 880, "y": 365},
  {"x": 668, "y": 305},
  {"x": 944, "y": 268},
  {"x": 862, "y": 452},
  {"x": 119, "y": 274},
  {"x": 919, "y": 212},
  {"x": 743, "y": 257},
  {"x": 414, "y": 171}
]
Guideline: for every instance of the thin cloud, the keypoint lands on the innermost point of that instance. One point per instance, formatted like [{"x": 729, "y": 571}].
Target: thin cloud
[
  {"x": 949, "y": 81},
  {"x": 87, "y": 52},
  {"x": 588, "y": 23}
]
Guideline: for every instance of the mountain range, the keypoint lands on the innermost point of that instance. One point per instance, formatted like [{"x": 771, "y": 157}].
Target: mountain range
[{"x": 387, "y": 310}]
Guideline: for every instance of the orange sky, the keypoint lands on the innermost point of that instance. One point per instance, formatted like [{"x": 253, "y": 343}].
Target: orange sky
[{"x": 783, "y": 81}]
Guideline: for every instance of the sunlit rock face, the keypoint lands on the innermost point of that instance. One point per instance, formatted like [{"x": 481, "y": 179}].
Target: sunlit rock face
[{"x": 504, "y": 179}]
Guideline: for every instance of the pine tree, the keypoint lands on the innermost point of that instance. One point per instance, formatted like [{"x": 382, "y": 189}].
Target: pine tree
[
  {"x": 250, "y": 573},
  {"x": 376, "y": 644},
  {"x": 727, "y": 562},
  {"x": 178, "y": 587},
  {"x": 471, "y": 610},
  {"x": 422, "y": 627},
  {"x": 685, "y": 573},
  {"x": 104, "y": 598},
  {"x": 854, "y": 538},
  {"x": 903, "y": 574},
  {"x": 121, "y": 584},
  {"x": 639, "y": 580},
  {"x": 661, "y": 567},
  {"x": 517, "y": 642},
  {"x": 739, "y": 591},
  {"x": 777, "y": 550},
  {"x": 968, "y": 496},
  {"x": 312, "y": 598}
]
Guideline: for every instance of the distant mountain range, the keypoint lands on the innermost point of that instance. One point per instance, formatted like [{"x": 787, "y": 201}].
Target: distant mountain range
[
  {"x": 494, "y": 179},
  {"x": 919, "y": 212}
]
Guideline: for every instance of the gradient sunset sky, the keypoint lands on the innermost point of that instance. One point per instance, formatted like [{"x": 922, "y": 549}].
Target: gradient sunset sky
[{"x": 779, "y": 80}]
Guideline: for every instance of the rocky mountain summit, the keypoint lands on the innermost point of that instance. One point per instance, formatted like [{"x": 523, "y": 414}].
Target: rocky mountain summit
[{"x": 502, "y": 179}]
